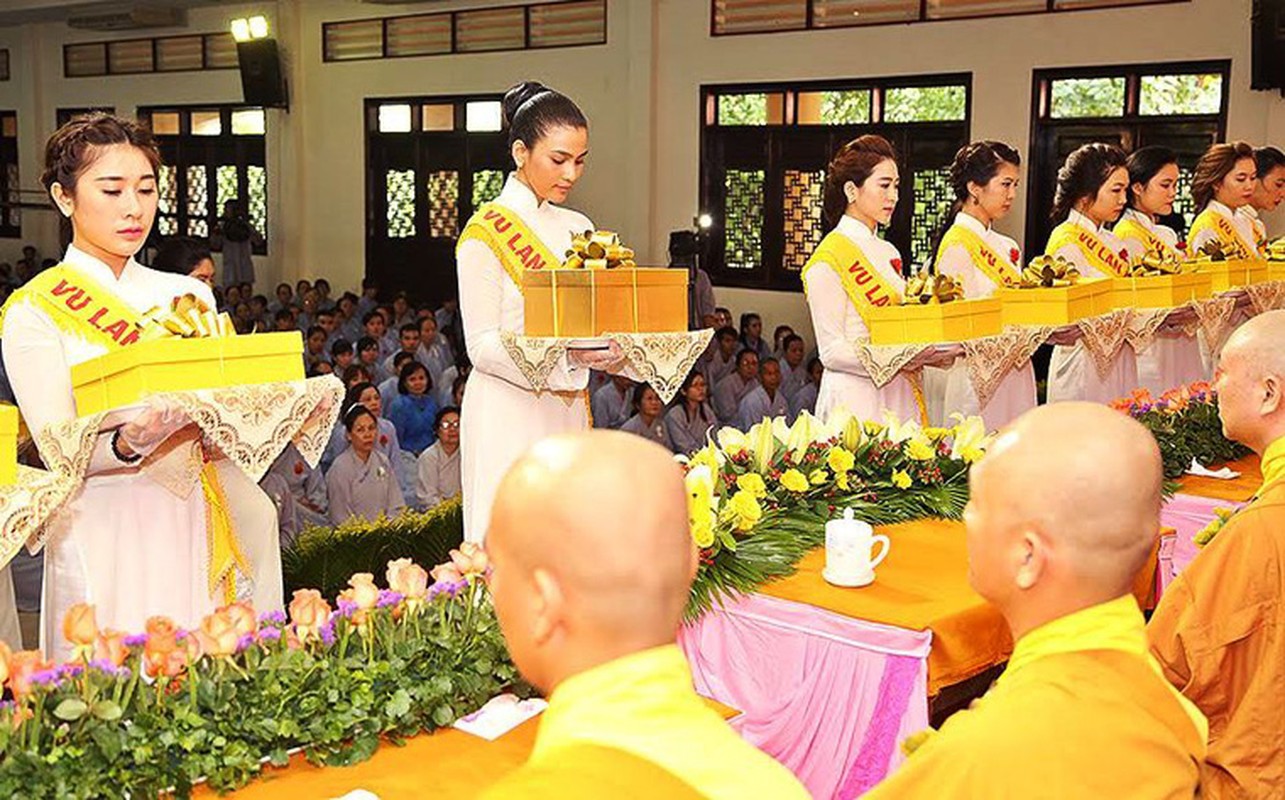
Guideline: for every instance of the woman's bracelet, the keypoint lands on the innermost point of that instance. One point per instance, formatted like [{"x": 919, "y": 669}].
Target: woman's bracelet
[{"x": 124, "y": 459}]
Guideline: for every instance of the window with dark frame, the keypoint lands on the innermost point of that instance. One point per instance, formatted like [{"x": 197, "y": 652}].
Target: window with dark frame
[
  {"x": 210, "y": 155},
  {"x": 10, "y": 213},
  {"x": 430, "y": 163},
  {"x": 765, "y": 148},
  {"x": 192, "y": 52},
  {"x": 732, "y": 17},
  {"x": 1180, "y": 105},
  {"x": 566, "y": 23},
  {"x": 4, "y": 64}
]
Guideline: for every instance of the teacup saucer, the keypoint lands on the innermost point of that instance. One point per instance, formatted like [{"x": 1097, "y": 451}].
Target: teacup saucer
[{"x": 849, "y": 581}]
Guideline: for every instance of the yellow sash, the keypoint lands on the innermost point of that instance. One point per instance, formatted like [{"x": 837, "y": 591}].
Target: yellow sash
[
  {"x": 1228, "y": 236},
  {"x": 866, "y": 288},
  {"x": 1129, "y": 228},
  {"x": 1095, "y": 251},
  {"x": 1002, "y": 271},
  {"x": 510, "y": 239},
  {"x": 80, "y": 306}
]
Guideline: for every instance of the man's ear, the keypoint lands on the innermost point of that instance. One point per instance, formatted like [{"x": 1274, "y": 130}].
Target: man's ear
[{"x": 550, "y": 605}]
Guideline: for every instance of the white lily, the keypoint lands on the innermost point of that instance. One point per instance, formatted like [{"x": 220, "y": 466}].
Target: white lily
[
  {"x": 897, "y": 431},
  {"x": 970, "y": 438},
  {"x": 762, "y": 445},
  {"x": 802, "y": 434},
  {"x": 732, "y": 440}
]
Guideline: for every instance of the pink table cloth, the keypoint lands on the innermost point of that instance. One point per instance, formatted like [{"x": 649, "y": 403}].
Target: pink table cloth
[
  {"x": 1187, "y": 514},
  {"x": 828, "y": 696}
]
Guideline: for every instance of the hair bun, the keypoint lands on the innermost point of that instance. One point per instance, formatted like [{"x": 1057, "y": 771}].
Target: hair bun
[{"x": 517, "y": 95}]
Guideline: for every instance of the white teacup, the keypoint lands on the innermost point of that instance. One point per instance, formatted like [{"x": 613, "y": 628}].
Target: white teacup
[{"x": 849, "y": 548}]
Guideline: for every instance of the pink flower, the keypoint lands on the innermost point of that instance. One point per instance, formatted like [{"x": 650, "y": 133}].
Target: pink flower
[
  {"x": 446, "y": 574},
  {"x": 470, "y": 559},
  {"x": 364, "y": 593},
  {"x": 407, "y": 579}
]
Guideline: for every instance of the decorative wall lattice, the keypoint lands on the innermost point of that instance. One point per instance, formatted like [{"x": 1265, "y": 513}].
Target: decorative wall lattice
[
  {"x": 225, "y": 178},
  {"x": 804, "y": 226},
  {"x": 444, "y": 204},
  {"x": 743, "y": 218},
  {"x": 11, "y": 180},
  {"x": 198, "y": 201},
  {"x": 487, "y": 184},
  {"x": 932, "y": 198},
  {"x": 257, "y": 186},
  {"x": 399, "y": 191},
  {"x": 1182, "y": 203}
]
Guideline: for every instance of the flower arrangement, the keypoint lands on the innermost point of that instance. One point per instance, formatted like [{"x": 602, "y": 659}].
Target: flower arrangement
[
  {"x": 759, "y": 500},
  {"x": 1222, "y": 515},
  {"x": 145, "y": 714},
  {"x": 1185, "y": 424}
]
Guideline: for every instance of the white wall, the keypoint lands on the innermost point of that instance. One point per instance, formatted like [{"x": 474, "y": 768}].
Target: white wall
[{"x": 640, "y": 91}]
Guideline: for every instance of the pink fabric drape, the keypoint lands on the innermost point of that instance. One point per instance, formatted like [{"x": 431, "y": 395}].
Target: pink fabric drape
[
  {"x": 828, "y": 696},
  {"x": 1188, "y": 515}
]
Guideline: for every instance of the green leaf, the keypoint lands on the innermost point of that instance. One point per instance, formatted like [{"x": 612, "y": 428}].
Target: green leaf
[
  {"x": 71, "y": 709},
  {"x": 399, "y": 705},
  {"x": 106, "y": 710},
  {"x": 443, "y": 715}
]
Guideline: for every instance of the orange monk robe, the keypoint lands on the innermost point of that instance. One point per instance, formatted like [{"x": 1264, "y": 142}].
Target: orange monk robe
[
  {"x": 1219, "y": 633},
  {"x": 1080, "y": 712},
  {"x": 589, "y": 772}
]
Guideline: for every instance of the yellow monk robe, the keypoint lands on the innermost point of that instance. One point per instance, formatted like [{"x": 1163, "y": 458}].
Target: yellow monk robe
[
  {"x": 1080, "y": 712},
  {"x": 1219, "y": 633},
  {"x": 591, "y": 772},
  {"x": 644, "y": 704}
]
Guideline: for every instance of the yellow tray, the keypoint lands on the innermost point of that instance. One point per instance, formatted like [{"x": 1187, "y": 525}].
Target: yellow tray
[
  {"x": 1160, "y": 291},
  {"x": 1228, "y": 275},
  {"x": 588, "y": 303},
  {"x": 1061, "y": 305},
  {"x": 934, "y": 322},
  {"x": 124, "y": 377},
  {"x": 1276, "y": 270},
  {"x": 8, "y": 444}
]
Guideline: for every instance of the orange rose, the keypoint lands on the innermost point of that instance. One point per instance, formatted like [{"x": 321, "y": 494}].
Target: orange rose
[
  {"x": 407, "y": 579},
  {"x": 79, "y": 627},
  {"x": 243, "y": 618},
  {"x": 470, "y": 559},
  {"x": 110, "y": 646},
  {"x": 162, "y": 627},
  {"x": 22, "y": 666},
  {"x": 218, "y": 634},
  {"x": 446, "y": 573},
  {"x": 364, "y": 592},
  {"x": 308, "y": 611}
]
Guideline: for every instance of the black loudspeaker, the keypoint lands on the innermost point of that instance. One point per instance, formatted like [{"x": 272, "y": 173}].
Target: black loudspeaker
[
  {"x": 1268, "y": 63},
  {"x": 262, "y": 82}
]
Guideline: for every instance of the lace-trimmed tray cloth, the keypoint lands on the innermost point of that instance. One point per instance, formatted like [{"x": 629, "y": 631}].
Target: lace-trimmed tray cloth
[
  {"x": 659, "y": 359},
  {"x": 26, "y": 504}
]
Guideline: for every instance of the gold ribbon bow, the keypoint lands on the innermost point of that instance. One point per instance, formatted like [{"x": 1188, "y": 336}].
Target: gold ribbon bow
[
  {"x": 187, "y": 318},
  {"x": 598, "y": 250}
]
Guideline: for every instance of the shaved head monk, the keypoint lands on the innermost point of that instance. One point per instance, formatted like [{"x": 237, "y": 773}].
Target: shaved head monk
[
  {"x": 1064, "y": 510},
  {"x": 1219, "y": 630},
  {"x": 593, "y": 562}
]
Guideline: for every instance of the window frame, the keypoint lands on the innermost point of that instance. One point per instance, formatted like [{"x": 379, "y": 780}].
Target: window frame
[
  {"x": 106, "y": 44},
  {"x": 772, "y": 274},
  {"x": 10, "y": 154}
]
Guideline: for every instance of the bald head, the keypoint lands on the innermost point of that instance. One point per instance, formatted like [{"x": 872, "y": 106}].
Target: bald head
[
  {"x": 1065, "y": 509},
  {"x": 1251, "y": 382},
  {"x": 593, "y": 555}
]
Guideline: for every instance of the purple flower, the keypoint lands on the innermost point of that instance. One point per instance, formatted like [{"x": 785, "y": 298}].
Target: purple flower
[
  {"x": 180, "y": 635},
  {"x": 346, "y": 607},
  {"x": 244, "y": 642},
  {"x": 103, "y": 665},
  {"x": 269, "y": 634},
  {"x": 275, "y": 617},
  {"x": 327, "y": 633},
  {"x": 8, "y": 705},
  {"x": 46, "y": 677},
  {"x": 136, "y": 640},
  {"x": 69, "y": 671},
  {"x": 446, "y": 588},
  {"x": 388, "y": 598}
]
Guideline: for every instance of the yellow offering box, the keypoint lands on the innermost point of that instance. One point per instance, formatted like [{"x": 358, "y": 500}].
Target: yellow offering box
[
  {"x": 591, "y": 302},
  {"x": 1056, "y": 305},
  {"x": 1160, "y": 291},
  {"x": 124, "y": 377},
  {"x": 1228, "y": 275},
  {"x": 934, "y": 322},
  {"x": 1276, "y": 270},
  {"x": 8, "y": 444}
]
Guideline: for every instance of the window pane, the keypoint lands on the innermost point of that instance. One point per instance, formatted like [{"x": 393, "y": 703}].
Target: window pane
[
  {"x": 751, "y": 109},
  {"x": 438, "y": 117},
  {"x": 487, "y": 184},
  {"x": 225, "y": 179},
  {"x": 9, "y": 126},
  {"x": 481, "y": 116},
  {"x": 347, "y": 41},
  {"x": 129, "y": 57},
  {"x": 560, "y": 24},
  {"x": 933, "y": 196},
  {"x": 925, "y": 104},
  {"x": 394, "y": 119},
  {"x": 166, "y": 190},
  {"x": 399, "y": 193},
  {"x": 179, "y": 53},
  {"x": 843, "y": 13},
  {"x": 249, "y": 122},
  {"x": 847, "y": 107},
  {"x": 220, "y": 51},
  {"x": 419, "y": 35},
  {"x": 4, "y": 64},
  {"x": 257, "y": 183},
  {"x": 803, "y": 225},
  {"x": 745, "y": 16},
  {"x": 444, "y": 204},
  {"x": 743, "y": 225},
  {"x": 954, "y": 9},
  {"x": 165, "y": 123},
  {"x": 490, "y": 29},
  {"x": 1180, "y": 94},
  {"x": 207, "y": 123},
  {"x": 166, "y": 225},
  {"x": 1087, "y": 97},
  {"x": 85, "y": 59},
  {"x": 198, "y": 201}
]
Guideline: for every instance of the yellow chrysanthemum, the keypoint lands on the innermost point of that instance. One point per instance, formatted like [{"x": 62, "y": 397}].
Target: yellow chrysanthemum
[
  {"x": 936, "y": 434},
  {"x": 794, "y": 481},
  {"x": 753, "y": 483},
  {"x": 701, "y": 503},
  {"x": 841, "y": 480},
  {"x": 743, "y": 510},
  {"x": 901, "y": 479},
  {"x": 818, "y": 477},
  {"x": 840, "y": 460},
  {"x": 872, "y": 428},
  {"x": 920, "y": 449}
]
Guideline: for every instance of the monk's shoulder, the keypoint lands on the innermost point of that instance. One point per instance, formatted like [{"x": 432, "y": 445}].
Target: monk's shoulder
[{"x": 585, "y": 772}]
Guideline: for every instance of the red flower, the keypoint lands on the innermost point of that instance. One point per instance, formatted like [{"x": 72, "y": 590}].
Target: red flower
[
  {"x": 1124, "y": 253},
  {"x": 1181, "y": 245},
  {"x": 896, "y": 264},
  {"x": 1014, "y": 255},
  {"x": 298, "y": 467},
  {"x": 383, "y": 440}
]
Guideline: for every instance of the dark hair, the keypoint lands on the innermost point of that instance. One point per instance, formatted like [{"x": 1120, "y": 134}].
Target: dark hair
[
  {"x": 458, "y": 383},
  {"x": 320, "y": 281},
  {"x": 776, "y": 333},
  {"x": 180, "y": 255},
  {"x": 369, "y": 315},
  {"x": 367, "y": 343},
  {"x": 311, "y": 331},
  {"x": 339, "y": 347},
  {"x": 441, "y": 415},
  {"x": 68, "y": 152},
  {"x": 353, "y": 413},
  {"x": 747, "y": 318},
  {"x": 763, "y": 362},
  {"x": 325, "y": 312},
  {"x": 420, "y": 323},
  {"x": 408, "y": 370},
  {"x": 1217, "y": 162},
  {"x": 353, "y": 396},
  {"x": 745, "y": 352},
  {"x": 283, "y": 313},
  {"x": 726, "y": 330},
  {"x": 281, "y": 286},
  {"x": 1083, "y": 174},
  {"x": 1144, "y": 163},
  {"x": 258, "y": 298},
  {"x": 531, "y": 110},
  {"x": 401, "y": 357},
  {"x": 789, "y": 340},
  {"x": 1268, "y": 159},
  {"x": 854, "y": 162},
  {"x": 814, "y": 362},
  {"x": 355, "y": 370},
  {"x": 681, "y": 399},
  {"x": 978, "y": 163},
  {"x": 410, "y": 327},
  {"x": 640, "y": 389}
]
